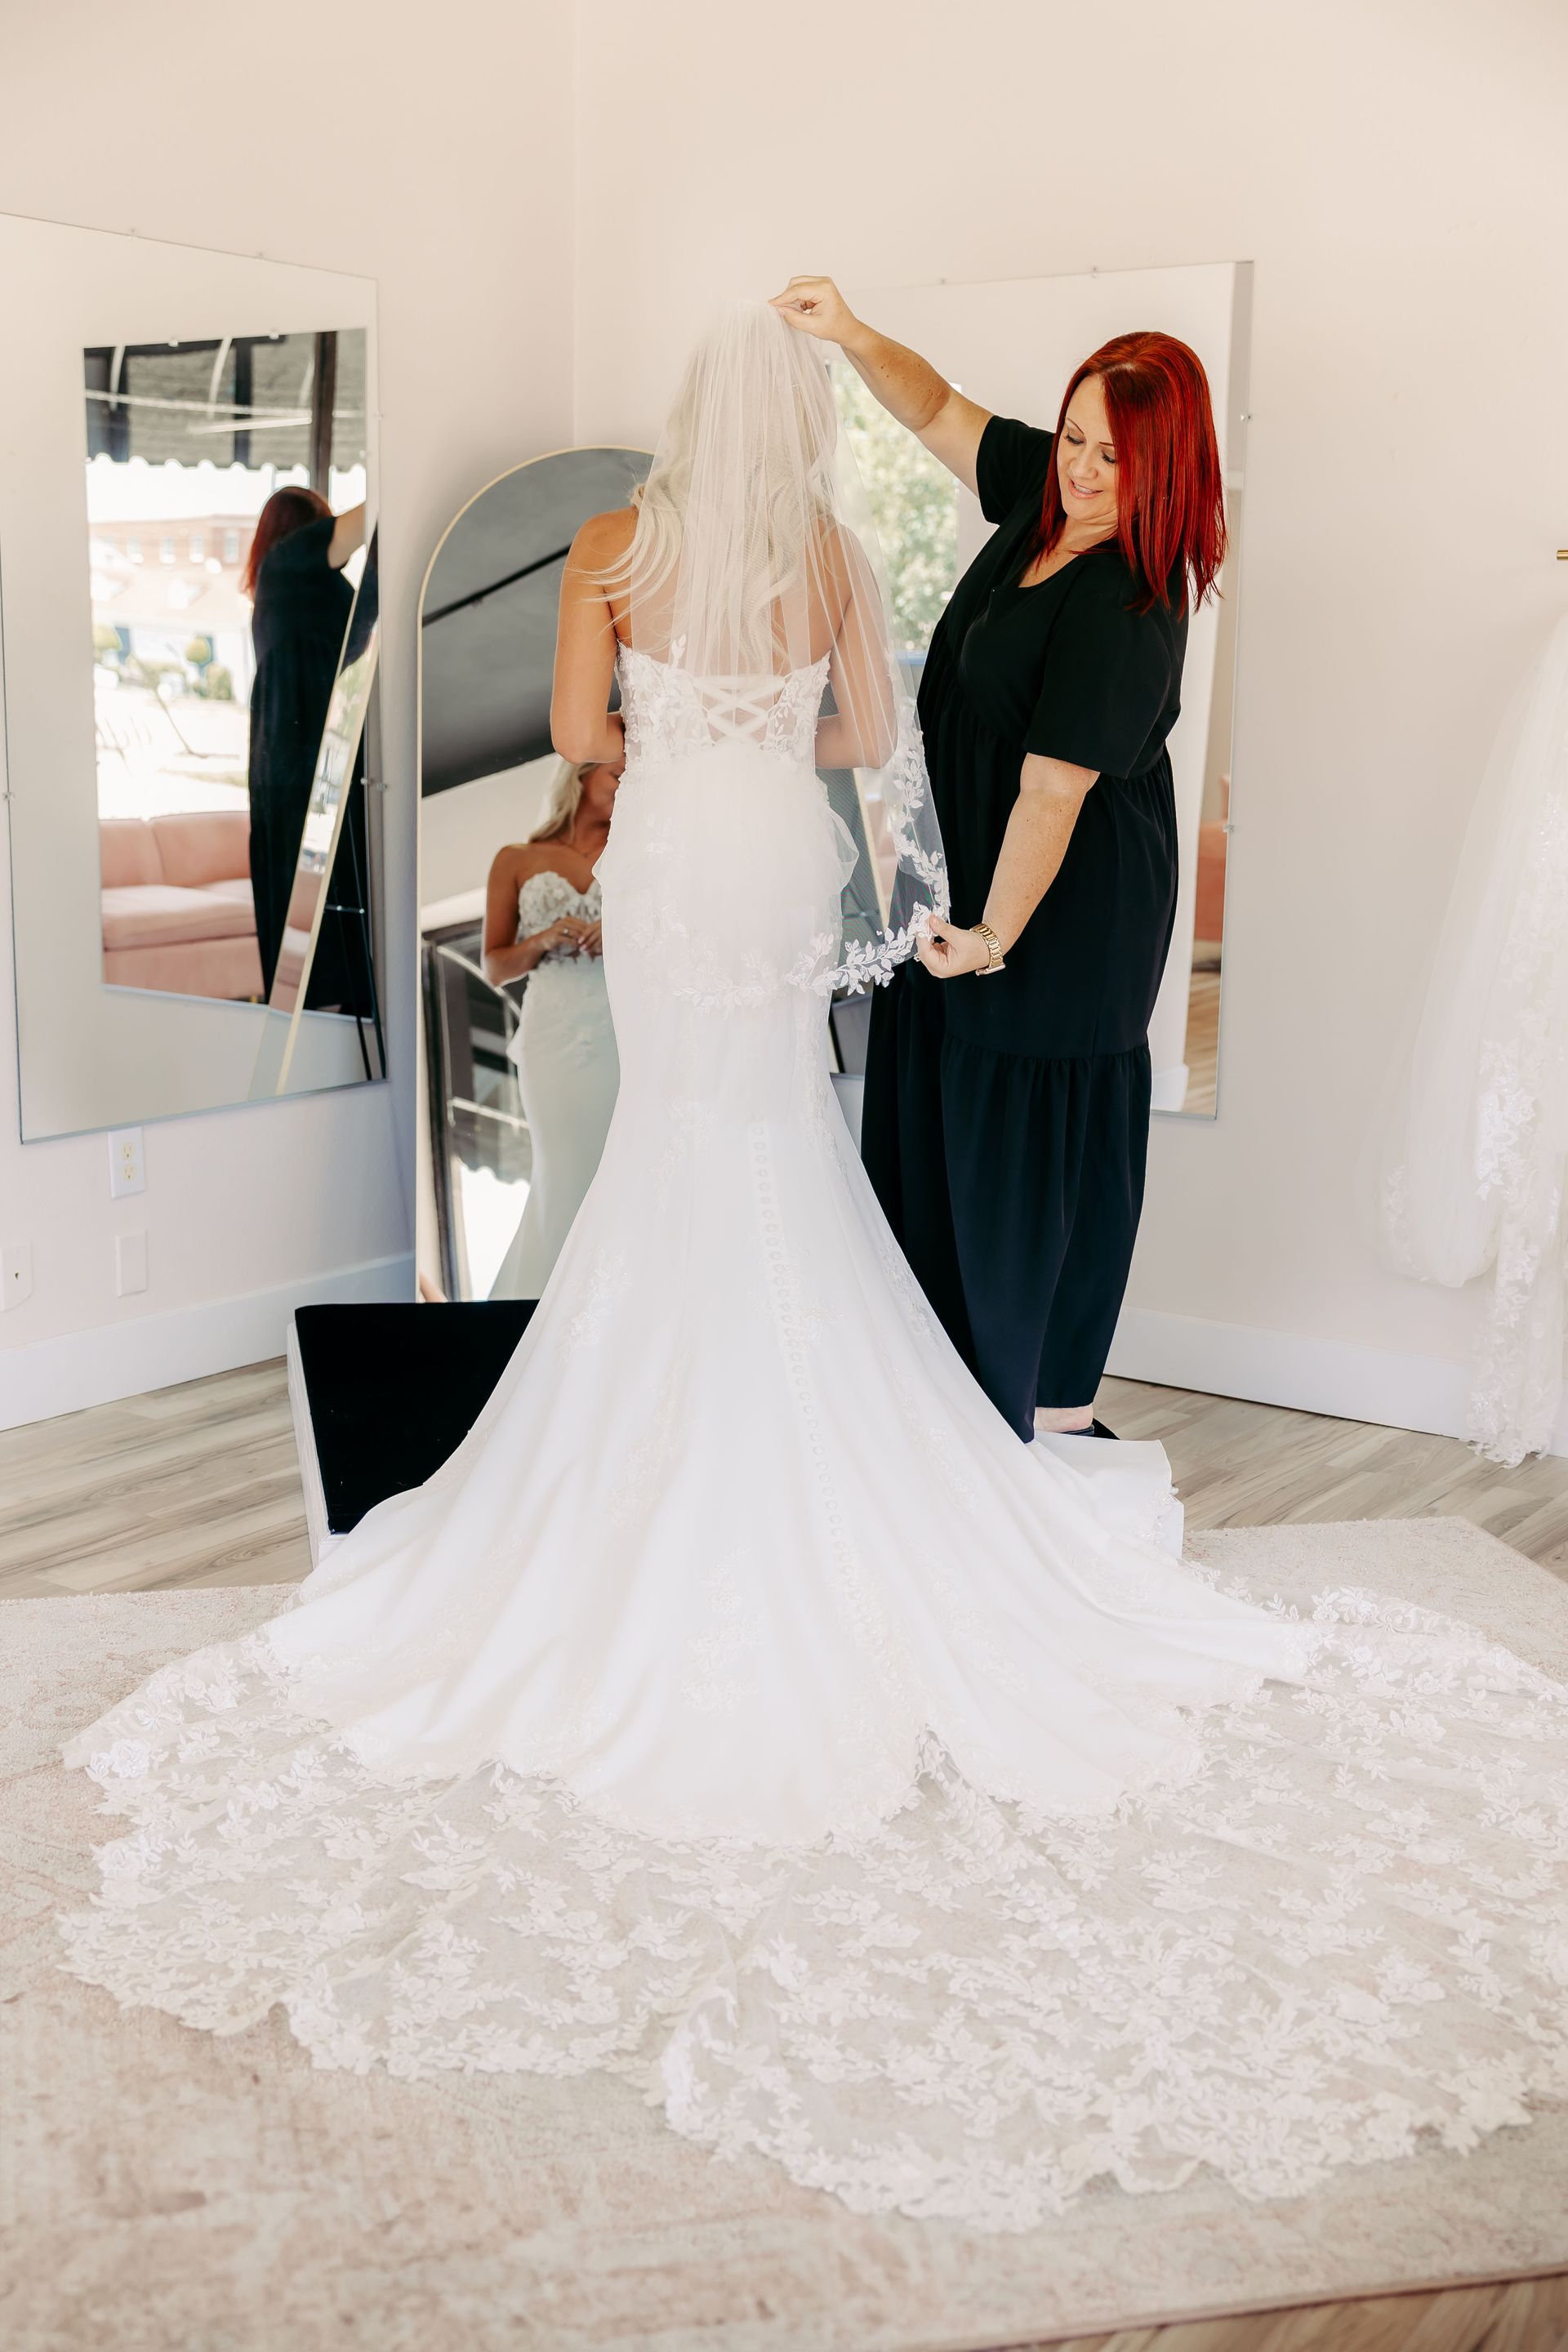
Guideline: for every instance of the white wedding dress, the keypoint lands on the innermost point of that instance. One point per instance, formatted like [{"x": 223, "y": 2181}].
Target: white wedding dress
[
  {"x": 1473, "y": 1168},
  {"x": 745, "y": 1710},
  {"x": 567, "y": 1069}
]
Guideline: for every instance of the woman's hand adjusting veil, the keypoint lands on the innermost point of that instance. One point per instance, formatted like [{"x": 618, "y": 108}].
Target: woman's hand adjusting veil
[
  {"x": 948, "y": 951},
  {"x": 909, "y": 388},
  {"x": 1050, "y": 794},
  {"x": 815, "y": 306}
]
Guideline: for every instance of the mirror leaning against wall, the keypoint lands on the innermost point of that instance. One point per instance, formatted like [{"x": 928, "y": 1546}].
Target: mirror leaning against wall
[
  {"x": 518, "y": 1047},
  {"x": 518, "y": 1050},
  {"x": 190, "y": 622}
]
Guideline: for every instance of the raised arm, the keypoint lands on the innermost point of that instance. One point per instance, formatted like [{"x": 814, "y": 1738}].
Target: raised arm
[
  {"x": 582, "y": 724},
  {"x": 348, "y": 533},
  {"x": 909, "y": 387}
]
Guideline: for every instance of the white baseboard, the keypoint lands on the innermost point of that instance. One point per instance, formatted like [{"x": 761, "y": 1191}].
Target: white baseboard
[
  {"x": 153, "y": 1351},
  {"x": 1328, "y": 1376}
]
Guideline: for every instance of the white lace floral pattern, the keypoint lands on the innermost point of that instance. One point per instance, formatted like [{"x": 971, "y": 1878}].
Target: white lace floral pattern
[
  {"x": 743, "y": 1709},
  {"x": 670, "y": 716},
  {"x": 1341, "y": 1930},
  {"x": 544, "y": 899}
]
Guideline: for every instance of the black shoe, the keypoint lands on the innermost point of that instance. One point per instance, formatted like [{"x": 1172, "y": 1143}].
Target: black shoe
[{"x": 1097, "y": 1429}]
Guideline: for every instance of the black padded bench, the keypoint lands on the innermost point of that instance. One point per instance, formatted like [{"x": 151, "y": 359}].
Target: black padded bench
[{"x": 383, "y": 1395}]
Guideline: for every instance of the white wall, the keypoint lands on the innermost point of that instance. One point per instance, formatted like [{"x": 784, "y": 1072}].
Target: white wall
[
  {"x": 461, "y": 829},
  {"x": 1392, "y": 167},
  {"x": 437, "y": 162},
  {"x": 1393, "y": 170}
]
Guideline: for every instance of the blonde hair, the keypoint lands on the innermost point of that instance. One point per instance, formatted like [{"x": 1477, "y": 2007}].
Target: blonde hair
[
  {"x": 565, "y": 798},
  {"x": 733, "y": 518}
]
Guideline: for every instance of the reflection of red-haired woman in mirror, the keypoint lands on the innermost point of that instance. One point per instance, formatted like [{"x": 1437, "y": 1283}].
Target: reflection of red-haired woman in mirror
[
  {"x": 1006, "y": 1112},
  {"x": 294, "y": 577},
  {"x": 542, "y": 923}
]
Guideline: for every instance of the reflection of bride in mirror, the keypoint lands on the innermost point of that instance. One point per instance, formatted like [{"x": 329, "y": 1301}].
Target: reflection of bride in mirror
[{"x": 541, "y": 926}]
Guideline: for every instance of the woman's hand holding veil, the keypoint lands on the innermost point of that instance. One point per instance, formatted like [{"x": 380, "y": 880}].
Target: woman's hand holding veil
[{"x": 815, "y": 306}]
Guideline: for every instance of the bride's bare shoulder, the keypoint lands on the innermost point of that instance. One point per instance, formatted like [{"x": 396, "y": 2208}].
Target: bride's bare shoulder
[{"x": 604, "y": 536}]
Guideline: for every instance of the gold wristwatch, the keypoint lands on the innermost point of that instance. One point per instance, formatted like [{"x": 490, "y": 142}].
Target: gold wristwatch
[{"x": 993, "y": 949}]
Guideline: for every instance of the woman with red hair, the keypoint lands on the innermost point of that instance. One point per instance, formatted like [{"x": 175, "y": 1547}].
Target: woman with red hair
[{"x": 1006, "y": 1110}]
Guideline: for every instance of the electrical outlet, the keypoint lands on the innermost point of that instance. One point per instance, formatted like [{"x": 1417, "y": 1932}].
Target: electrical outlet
[
  {"x": 126, "y": 1172},
  {"x": 130, "y": 1263},
  {"x": 16, "y": 1274}
]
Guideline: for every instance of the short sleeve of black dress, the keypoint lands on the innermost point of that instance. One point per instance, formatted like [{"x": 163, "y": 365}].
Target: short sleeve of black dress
[
  {"x": 1109, "y": 688},
  {"x": 1011, "y": 463}
]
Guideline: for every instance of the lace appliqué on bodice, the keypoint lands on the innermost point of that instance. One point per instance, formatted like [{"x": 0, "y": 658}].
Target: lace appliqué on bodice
[
  {"x": 544, "y": 899},
  {"x": 669, "y": 711}
]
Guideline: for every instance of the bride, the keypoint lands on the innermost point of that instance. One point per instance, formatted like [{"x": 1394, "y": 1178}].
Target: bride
[
  {"x": 742, "y": 1708},
  {"x": 542, "y": 927}
]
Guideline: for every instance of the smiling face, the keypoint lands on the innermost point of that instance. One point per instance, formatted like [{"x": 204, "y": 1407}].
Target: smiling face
[{"x": 1086, "y": 462}]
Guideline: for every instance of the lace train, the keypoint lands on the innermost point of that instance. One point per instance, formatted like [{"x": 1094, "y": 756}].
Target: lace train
[
  {"x": 1338, "y": 1925},
  {"x": 743, "y": 1709}
]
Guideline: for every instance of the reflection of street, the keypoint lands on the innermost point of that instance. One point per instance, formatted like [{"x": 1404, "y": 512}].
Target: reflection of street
[{"x": 157, "y": 758}]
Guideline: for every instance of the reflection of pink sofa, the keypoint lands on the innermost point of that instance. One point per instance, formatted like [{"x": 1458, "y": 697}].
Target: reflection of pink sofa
[{"x": 177, "y": 909}]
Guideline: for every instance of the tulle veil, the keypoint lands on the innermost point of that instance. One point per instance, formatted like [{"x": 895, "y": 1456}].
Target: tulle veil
[
  {"x": 1473, "y": 1150},
  {"x": 754, "y": 561}
]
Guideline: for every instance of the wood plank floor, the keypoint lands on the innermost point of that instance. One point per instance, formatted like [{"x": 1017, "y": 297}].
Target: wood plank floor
[
  {"x": 200, "y": 1485},
  {"x": 1202, "y": 1046}
]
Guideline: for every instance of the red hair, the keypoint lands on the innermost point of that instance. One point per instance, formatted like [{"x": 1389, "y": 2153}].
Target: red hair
[
  {"x": 286, "y": 512},
  {"x": 1170, "y": 505}
]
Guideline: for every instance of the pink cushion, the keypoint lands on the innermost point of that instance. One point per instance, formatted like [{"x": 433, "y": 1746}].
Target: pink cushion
[
  {"x": 208, "y": 968},
  {"x": 127, "y": 852},
  {"x": 156, "y": 915},
  {"x": 204, "y": 845}
]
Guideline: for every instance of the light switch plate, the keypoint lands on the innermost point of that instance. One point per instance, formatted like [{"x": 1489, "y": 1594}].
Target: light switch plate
[
  {"x": 130, "y": 1263},
  {"x": 126, "y": 1172}
]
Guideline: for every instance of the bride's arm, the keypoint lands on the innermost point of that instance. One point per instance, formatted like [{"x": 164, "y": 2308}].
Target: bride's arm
[
  {"x": 582, "y": 725},
  {"x": 909, "y": 387},
  {"x": 863, "y": 729}
]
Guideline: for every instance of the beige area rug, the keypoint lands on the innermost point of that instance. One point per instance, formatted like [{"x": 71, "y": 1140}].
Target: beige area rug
[{"x": 162, "y": 2190}]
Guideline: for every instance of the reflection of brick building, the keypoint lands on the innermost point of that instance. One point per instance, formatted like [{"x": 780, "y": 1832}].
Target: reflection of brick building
[{"x": 163, "y": 581}]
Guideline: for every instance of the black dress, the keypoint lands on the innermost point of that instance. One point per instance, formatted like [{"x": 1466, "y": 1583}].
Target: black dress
[
  {"x": 301, "y": 609},
  {"x": 1006, "y": 1116}
]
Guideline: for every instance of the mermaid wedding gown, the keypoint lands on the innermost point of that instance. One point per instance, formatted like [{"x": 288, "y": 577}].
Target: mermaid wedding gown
[
  {"x": 567, "y": 1070},
  {"x": 742, "y": 1710}
]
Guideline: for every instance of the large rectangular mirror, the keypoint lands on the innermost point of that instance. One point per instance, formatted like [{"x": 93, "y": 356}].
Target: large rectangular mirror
[
  {"x": 1012, "y": 344},
  {"x": 190, "y": 630}
]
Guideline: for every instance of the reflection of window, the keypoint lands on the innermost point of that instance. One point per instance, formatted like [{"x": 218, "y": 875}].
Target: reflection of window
[
  {"x": 914, "y": 507},
  {"x": 165, "y": 550},
  {"x": 198, "y": 547},
  {"x": 133, "y": 549},
  {"x": 231, "y": 547}
]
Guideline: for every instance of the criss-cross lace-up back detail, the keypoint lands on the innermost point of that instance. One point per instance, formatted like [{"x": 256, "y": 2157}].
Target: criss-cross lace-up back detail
[{"x": 668, "y": 710}]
